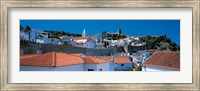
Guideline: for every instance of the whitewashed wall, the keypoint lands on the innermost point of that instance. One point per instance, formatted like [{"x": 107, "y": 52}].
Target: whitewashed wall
[
  {"x": 78, "y": 67},
  {"x": 81, "y": 41},
  {"x": 112, "y": 66},
  {"x": 90, "y": 66},
  {"x": 25, "y": 35},
  {"x": 151, "y": 68},
  {"x": 33, "y": 37},
  {"x": 44, "y": 41},
  {"x": 103, "y": 66}
]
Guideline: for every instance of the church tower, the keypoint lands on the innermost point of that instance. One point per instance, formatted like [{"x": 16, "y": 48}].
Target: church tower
[{"x": 83, "y": 34}]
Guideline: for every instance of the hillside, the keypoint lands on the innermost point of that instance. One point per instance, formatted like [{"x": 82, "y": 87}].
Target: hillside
[
  {"x": 60, "y": 33},
  {"x": 160, "y": 43}
]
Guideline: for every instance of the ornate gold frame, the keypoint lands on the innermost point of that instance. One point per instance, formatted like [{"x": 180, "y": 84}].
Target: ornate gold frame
[{"x": 6, "y": 4}]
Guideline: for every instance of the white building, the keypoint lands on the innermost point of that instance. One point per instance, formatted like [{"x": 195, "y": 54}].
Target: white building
[
  {"x": 56, "y": 41},
  {"x": 122, "y": 63},
  {"x": 98, "y": 63},
  {"x": 80, "y": 39},
  {"x": 66, "y": 38},
  {"x": 59, "y": 61},
  {"x": 163, "y": 61},
  {"x": 48, "y": 41},
  {"x": 52, "y": 61},
  {"x": 90, "y": 45},
  {"x": 25, "y": 36},
  {"x": 136, "y": 38},
  {"x": 83, "y": 39},
  {"x": 140, "y": 57},
  {"x": 43, "y": 41}
]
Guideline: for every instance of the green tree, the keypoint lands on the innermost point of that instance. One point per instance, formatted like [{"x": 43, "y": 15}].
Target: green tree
[
  {"x": 21, "y": 27},
  {"x": 129, "y": 69},
  {"x": 66, "y": 43},
  {"x": 139, "y": 68}
]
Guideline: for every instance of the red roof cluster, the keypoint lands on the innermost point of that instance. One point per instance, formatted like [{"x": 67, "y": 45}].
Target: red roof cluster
[
  {"x": 164, "y": 59},
  {"x": 50, "y": 59},
  {"x": 80, "y": 38},
  {"x": 53, "y": 59},
  {"x": 85, "y": 37},
  {"x": 96, "y": 60},
  {"x": 121, "y": 60}
]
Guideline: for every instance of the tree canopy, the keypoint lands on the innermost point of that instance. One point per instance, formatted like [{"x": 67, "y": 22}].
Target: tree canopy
[{"x": 27, "y": 29}]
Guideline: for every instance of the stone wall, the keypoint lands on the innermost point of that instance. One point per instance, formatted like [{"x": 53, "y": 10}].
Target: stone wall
[
  {"x": 99, "y": 52},
  {"x": 31, "y": 48},
  {"x": 132, "y": 49}
]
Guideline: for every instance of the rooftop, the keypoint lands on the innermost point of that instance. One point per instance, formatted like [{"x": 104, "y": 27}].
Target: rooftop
[
  {"x": 96, "y": 60},
  {"x": 80, "y": 38},
  {"x": 165, "y": 59},
  {"x": 55, "y": 59},
  {"x": 121, "y": 60},
  {"x": 51, "y": 59}
]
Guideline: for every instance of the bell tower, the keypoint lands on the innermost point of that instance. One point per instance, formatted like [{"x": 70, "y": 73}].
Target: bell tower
[{"x": 84, "y": 33}]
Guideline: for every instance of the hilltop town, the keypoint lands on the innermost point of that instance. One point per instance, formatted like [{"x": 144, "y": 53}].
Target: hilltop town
[{"x": 50, "y": 50}]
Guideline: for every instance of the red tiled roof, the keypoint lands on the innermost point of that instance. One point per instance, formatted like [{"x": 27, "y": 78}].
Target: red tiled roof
[
  {"x": 80, "y": 38},
  {"x": 121, "y": 60},
  {"x": 94, "y": 37},
  {"x": 164, "y": 59},
  {"x": 96, "y": 60},
  {"x": 51, "y": 59}
]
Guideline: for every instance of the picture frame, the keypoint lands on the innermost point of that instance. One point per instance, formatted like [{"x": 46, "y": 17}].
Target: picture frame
[{"x": 7, "y": 4}]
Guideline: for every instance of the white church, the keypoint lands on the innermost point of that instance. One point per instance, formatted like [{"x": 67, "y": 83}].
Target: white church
[{"x": 87, "y": 41}]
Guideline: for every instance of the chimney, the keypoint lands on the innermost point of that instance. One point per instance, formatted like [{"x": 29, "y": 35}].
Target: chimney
[{"x": 39, "y": 51}]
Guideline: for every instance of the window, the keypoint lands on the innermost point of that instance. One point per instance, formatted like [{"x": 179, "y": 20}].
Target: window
[
  {"x": 90, "y": 69},
  {"x": 122, "y": 64}
]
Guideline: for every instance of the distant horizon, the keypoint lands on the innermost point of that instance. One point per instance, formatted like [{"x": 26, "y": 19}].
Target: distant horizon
[{"x": 170, "y": 28}]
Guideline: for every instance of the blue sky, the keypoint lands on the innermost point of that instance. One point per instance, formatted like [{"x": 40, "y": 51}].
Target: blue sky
[{"x": 130, "y": 27}]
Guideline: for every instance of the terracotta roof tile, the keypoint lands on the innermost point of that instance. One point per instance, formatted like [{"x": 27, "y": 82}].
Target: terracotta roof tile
[
  {"x": 80, "y": 38},
  {"x": 121, "y": 60},
  {"x": 63, "y": 59},
  {"x": 39, "y": 60},
  {"x": 96, "y": 60},
  {"x": 51, "y": 59},
  {"x": 164, "y": 59}
]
